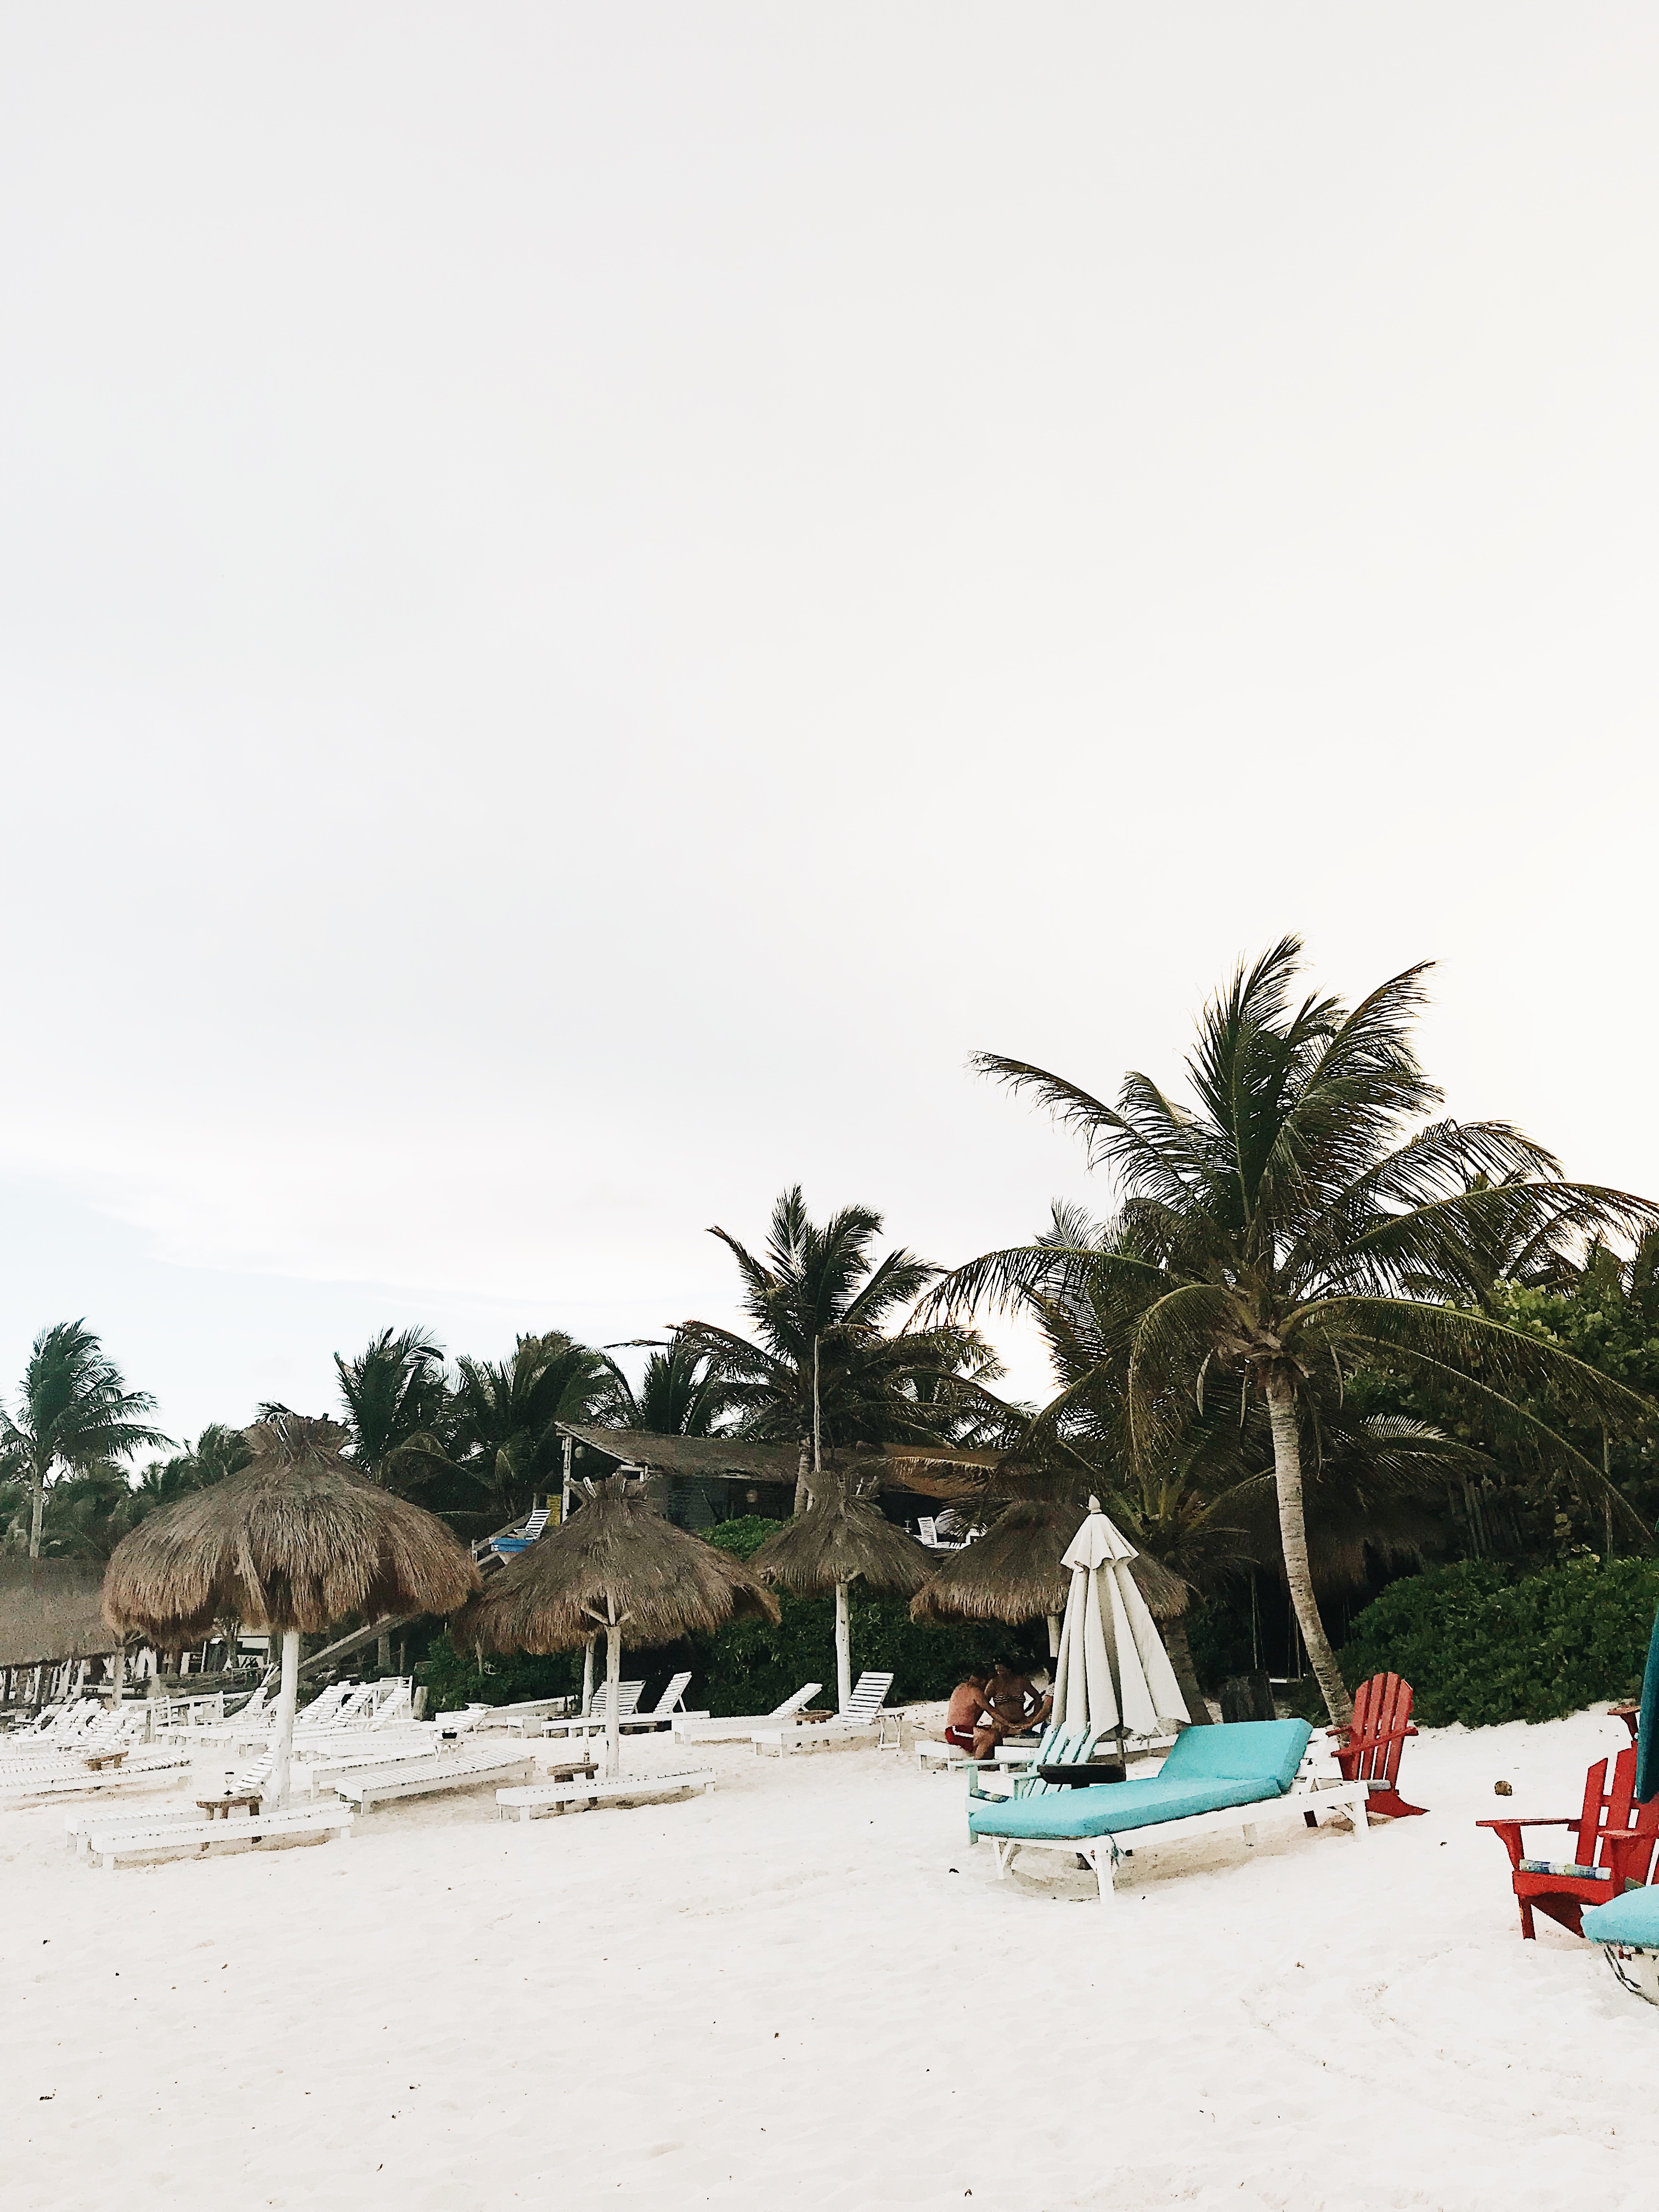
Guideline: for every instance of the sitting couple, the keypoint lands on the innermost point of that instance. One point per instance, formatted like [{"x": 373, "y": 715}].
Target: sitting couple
[{"x": 988, "y": 1707}]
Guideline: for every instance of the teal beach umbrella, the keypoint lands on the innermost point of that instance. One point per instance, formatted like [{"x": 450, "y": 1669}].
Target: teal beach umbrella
[{"x": 1647, "y": 1726}]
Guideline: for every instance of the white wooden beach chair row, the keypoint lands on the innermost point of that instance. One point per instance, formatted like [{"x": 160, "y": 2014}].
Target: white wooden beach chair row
[
  {"x": 524, "y": 1804},
  {"x": 861, "y": 1723},
  {"x": 735, "y": 1728}
]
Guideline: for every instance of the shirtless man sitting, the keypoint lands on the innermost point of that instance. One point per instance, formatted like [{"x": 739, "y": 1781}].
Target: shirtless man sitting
[{"x": 968, "y": 1722}]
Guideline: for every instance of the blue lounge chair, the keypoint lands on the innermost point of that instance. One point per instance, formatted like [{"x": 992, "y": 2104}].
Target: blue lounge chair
[
  {"x": 1627, "y": 1927},
  {"x": 1211, "y": 1775}
]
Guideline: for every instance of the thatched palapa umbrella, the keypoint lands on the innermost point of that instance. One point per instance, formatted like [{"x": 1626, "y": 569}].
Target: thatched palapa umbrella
[
  {"x": 841, "y": 1539},
  {"x": 616, "y": 1567},
  {"x": 1015, "y": 1573},
  {"x": 297, "y": 1541}
]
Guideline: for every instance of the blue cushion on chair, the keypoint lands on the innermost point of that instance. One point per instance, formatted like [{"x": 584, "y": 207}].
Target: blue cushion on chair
[
  {"x": 1110, "y": 1808},
  {"x": 1238, "y": 1751},
  {"x": 1631, "y": 1918}
]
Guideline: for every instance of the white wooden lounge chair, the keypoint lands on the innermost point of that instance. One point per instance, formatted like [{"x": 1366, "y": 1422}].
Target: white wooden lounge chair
[
  {"x": 82, "y": 1782},
  {"x": 558, "y": 1797},
  {"x": 529, "y": 1713},
  {"x": 109, "y": 1845},
  {"x": 508, "y": 1548},
  {"x": 106, "y": 1819},
  {"x": 592, "y": 1723},
  {"x": 736, "y": 1728},
  {"x": 326, "y": 1770},
  {"x": 861, "y": 1723},
  {"x": 456, "y": 1770},
  {"x": 662, "y": 1714}
]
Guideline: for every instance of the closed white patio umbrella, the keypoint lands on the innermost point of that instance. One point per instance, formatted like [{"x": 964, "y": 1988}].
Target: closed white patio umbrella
[{"x": 1112, "y": 1671}]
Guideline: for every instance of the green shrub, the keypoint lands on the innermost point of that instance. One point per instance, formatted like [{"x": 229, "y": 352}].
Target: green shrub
[
  {"x": 452, "y": 1680},
  {"x": 1481, "y": 1645},
  {"x": 743, "y": 1537}
]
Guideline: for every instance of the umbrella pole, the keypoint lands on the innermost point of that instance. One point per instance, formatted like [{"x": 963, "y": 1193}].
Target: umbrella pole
[
  {"x": 588, "y": 1678},
  {"x": 612, "y": 1699},
  {"x": 287, "y": 1698},
  {"x": 843, "y": 1648}
]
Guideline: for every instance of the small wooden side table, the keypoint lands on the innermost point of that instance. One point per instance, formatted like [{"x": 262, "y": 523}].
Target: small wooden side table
[{"x": 219, "y": 1809}]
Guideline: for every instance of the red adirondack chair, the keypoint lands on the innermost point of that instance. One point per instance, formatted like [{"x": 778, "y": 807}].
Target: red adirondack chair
[
  {"x": 1614, "y": 1848},
  {"x": 1374, "y": 1740}
]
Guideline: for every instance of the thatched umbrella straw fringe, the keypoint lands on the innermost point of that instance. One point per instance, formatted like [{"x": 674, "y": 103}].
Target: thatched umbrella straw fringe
[
  {"x": 1015, "y": 1573},
  {"x": 616, "y": 1566},
  {"x": 841, "y": 1539},
  {"x": 296, "y": 1542}
]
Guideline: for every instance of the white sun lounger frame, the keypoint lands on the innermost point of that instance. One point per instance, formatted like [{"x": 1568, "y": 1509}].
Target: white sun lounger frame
[
  {"x": 732, "y": 1727},
  {"x": 560, "y": 1797},
  {"x": 109, "y": 1846},
  {"x": 593, "y": 1722},
  {"x": 862, "y": 1720},
  {"x": 452, "y": 1771}
]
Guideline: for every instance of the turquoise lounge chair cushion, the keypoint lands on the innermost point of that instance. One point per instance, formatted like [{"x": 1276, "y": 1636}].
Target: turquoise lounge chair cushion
[
  {"x": 1238, "y": 1751},
  {"x": 1631, "y": 1918},
  {"x": 1108, "y": 1809}
]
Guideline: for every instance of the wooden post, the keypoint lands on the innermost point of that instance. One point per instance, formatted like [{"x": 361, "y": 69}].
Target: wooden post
[
  {"x": 1054, "y": 1635},
  {"x": 588, "y": 1678},
  {"x": 843, "y": 1648},
  {"x": 116, "y": 1666},
  {"x": 613, "y": 1693},
  {"x": 564, "y": 1491},
  {"x": 287, "y": 1698}
]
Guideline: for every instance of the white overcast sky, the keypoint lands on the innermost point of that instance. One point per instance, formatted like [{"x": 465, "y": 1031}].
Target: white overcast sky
[{"x": 593, "y": 597}]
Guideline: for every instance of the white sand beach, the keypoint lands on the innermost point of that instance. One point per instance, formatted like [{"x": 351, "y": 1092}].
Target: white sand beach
[{"x": 804, "y": 1990}]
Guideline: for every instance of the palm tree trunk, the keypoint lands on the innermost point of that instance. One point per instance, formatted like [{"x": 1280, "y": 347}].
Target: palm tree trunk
[
  {"x": 1174, "y": 1634},
  {"x": 588, "y": 1678},
  {"x": 843, "y": 1650},
  {"x": 37, "y": 1511},
  {"x": 803, "y": 1494},
  {"x": 1293, "y": 1537}
]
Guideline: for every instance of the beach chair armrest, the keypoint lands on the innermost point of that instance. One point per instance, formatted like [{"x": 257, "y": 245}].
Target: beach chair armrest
[{"x": 1509, "y": 1832}]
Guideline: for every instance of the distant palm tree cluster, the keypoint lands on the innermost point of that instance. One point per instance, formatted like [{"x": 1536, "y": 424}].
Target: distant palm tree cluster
[{"x": 1325, "y": 1330}]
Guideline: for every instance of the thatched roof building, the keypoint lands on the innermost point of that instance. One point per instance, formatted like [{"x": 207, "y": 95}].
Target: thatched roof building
[
  {"x": 616, "y": 1560},
  {"x": 298, "y": 1540},
  {"x": 1013, "y": 1572},
  {"x": 51, "y": 1610},
  {"x": 841, "y": 1539}
]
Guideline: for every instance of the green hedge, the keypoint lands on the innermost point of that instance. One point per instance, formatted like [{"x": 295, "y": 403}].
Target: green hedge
[{"x": 1481, "y": 1645}]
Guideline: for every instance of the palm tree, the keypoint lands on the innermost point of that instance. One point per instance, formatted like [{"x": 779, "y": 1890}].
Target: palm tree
[
  {"x": 820, "y": 1369},
  {"x": 679, "y": 1393},
  {"x": 1308, "y": 1216},
  {"x": 75, "y": 1412},
  {"x": 506, "y": 1413},
  {"x": 395, "y": 1400}
]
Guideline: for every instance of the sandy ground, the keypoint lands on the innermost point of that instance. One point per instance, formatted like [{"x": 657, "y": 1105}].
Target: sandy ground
[{"x": 805, "y": 1990}]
